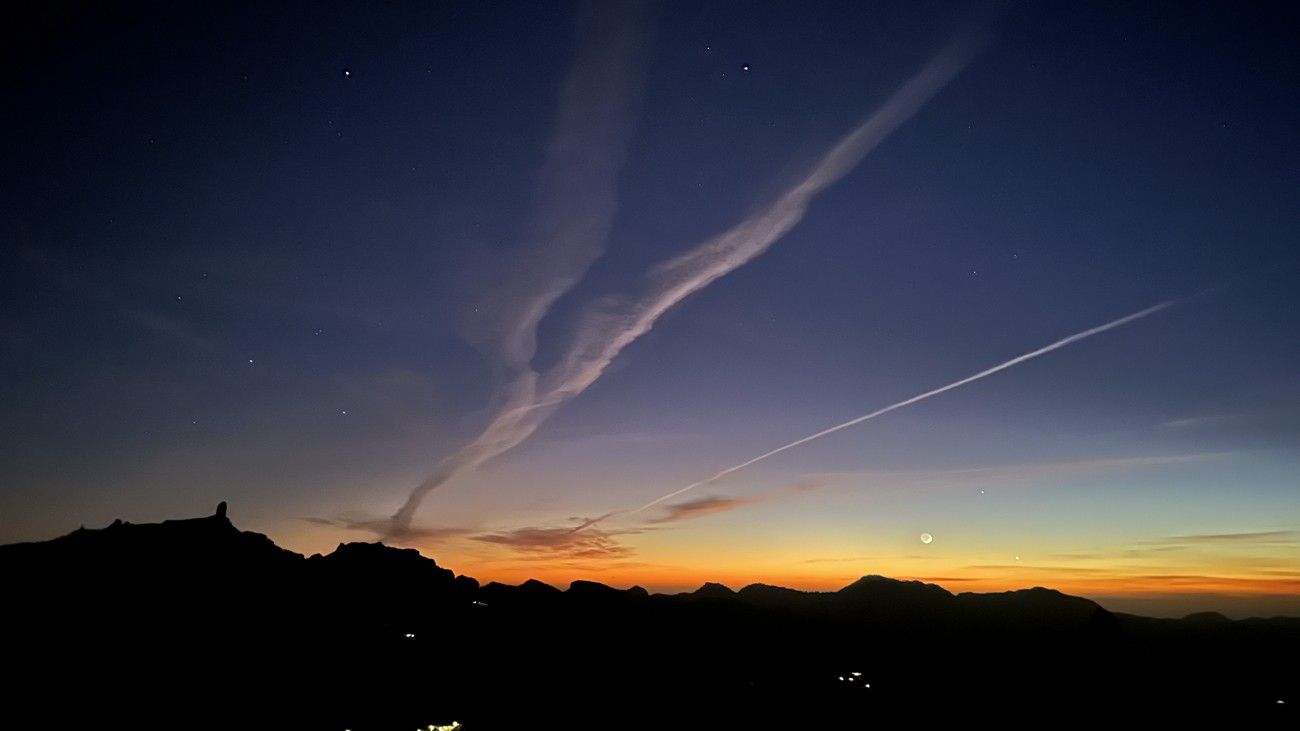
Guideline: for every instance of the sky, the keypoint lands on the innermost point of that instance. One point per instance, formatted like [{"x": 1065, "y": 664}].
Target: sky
[{"x": 496, "y": 280}]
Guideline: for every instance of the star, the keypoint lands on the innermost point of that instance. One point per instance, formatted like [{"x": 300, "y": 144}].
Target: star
[
  {"x": 250, "y": 361},
  {"x": 744, "y": 67},
  {"x": 347, "y": 72}
]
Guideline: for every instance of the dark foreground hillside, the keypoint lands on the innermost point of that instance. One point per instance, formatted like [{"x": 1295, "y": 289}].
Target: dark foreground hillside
[{"x": 195, "y": 624}]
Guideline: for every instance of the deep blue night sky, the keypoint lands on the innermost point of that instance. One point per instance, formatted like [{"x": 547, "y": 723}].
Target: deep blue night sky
[{"x": 250, "y": 253}]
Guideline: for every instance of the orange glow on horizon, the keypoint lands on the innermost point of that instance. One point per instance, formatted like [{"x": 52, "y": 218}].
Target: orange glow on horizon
[{"x": 684, "y": 565}]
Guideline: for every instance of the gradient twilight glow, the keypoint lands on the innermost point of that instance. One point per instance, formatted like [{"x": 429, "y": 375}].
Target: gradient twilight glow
[{"x": 573, "y": 257}]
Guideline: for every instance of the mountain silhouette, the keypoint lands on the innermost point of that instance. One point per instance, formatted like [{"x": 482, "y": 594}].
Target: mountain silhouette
[
  {"x": 711, "y": 590},
  {"x": 151, "y": 624}
]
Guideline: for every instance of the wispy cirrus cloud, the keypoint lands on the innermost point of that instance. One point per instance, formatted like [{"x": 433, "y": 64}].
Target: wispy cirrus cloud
[
  {"x": 372, "y": 524},
  {"x": 1000, "y": 474},
  {"x": 1029, "y": 566},
  {"x": 1202, "y": 421},
  {"x": 1153, "y": 549},
  {"x": 1229, "y": 582},
  {"x": 700, "y": 507},
  {"x": 561, "y": 543},
  {"x": 840, "y": 559},
  {"x": 1266, "y": 536},
  {"x": 584, "y": 541},
  {"x": 710, "y": 505}
]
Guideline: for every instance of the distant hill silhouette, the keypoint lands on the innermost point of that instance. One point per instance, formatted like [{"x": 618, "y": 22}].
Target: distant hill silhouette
[{"x": 198, "y": 623}]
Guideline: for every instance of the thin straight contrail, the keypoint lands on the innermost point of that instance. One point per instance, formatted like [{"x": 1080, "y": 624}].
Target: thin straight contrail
[{"x": 908, "y": 402}]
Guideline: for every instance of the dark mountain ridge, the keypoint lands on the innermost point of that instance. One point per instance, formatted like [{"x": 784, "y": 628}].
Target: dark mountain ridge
[{"x": 391, "y": 639}]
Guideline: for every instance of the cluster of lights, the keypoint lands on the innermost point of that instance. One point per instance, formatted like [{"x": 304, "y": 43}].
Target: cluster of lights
[
  {"x": 410, "y": 635},
  {"x": 852, "y": 677}
]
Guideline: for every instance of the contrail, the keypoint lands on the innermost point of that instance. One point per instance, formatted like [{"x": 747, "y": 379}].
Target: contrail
[
  {"x": 576, "y": 191},
  {"x": 909, "y": 401},
  {"x": 607, "y": 333},
  {"x": 603, "y": 334},
  {"x": 576, "y": 200}
]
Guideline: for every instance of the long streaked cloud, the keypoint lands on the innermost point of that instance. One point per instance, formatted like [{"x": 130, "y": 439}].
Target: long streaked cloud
[
  {"x": 712, "y": 504},
  {"x": 700, "y": 507},
  {"x": 1268, "y": 584},
  {"x": 1030, "y": 567},
  {"x": 1198, "y": 422},
  {"x": 426, "y": 533},
  {"x": 606, "y": 330},
  {"x": 1019, "y": 472},
  {"x": 582, "y": 541},
  {"x": 1251, "y": 537},
  {"x": 1063, "y": 342},
  {"x": 561, "y": 542},
  {"x": 844, "y": 559}
]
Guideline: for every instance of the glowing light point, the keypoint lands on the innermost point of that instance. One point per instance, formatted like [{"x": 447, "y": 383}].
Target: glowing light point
[{"x": 926, "y": 538}]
